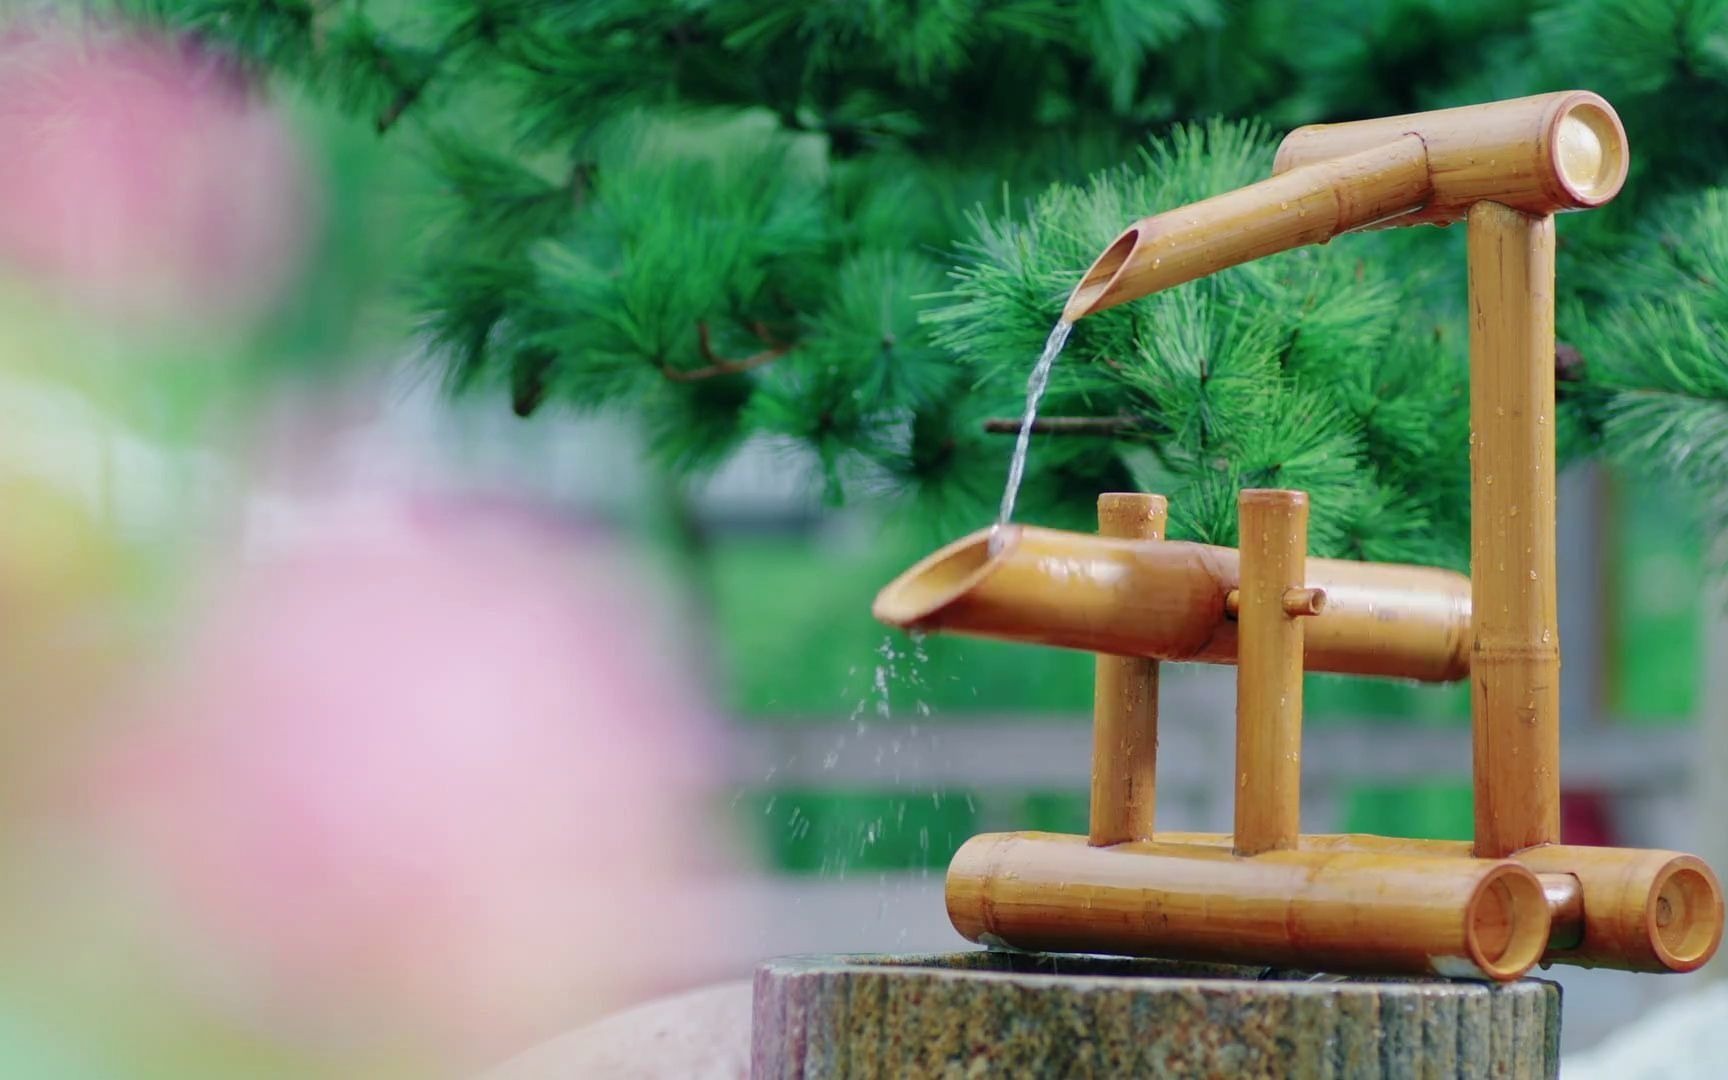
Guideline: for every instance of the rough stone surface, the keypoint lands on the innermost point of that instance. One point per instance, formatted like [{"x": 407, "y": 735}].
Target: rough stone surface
[{"x": 991, "y": 1013}]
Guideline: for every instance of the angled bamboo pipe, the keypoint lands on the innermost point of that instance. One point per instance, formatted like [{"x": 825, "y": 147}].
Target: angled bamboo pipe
[
  {"x": 1323, "y": 910},
  {"x": 1167, "y": 600},
  {"x": 1539, "y": 155},
  {"x": 1309, "y": 204}
]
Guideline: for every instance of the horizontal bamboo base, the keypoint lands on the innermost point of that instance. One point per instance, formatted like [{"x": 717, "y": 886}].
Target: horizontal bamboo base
[
  {"x": 1327, "y": 910},
  {"x": 1634, "y": 909},
  {"x": 1627, "y": 908}
]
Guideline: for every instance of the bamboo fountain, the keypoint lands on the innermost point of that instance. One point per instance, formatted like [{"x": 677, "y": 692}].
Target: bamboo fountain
[{"x": 1469, "y": 918}]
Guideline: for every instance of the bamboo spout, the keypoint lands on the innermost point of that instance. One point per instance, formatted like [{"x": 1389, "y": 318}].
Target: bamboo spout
[
  {"x": 1167, "y": 600},
  {"x": 1538, "y": 155},
  {"x": 1306, "y": 205}
]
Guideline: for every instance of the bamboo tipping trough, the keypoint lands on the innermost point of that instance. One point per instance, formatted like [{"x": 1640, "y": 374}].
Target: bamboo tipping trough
[
  {"x": 1266, "y": 893},
  {"x": 1174, "y": 600}
]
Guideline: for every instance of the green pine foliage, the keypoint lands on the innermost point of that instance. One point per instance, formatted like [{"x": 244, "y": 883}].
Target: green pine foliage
[
  {"x": 847, "y": 227},
  {"x": 1295, "y": 371},
  {"x": 1659, "y": 361}
]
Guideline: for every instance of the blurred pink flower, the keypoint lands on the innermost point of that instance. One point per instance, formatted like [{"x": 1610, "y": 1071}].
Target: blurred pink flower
[
  {"x": 436, "y": 784},
  {"x": 143, "y": 177}
]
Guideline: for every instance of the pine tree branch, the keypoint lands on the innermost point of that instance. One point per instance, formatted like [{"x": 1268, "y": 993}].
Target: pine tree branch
[
  {"x": 406, "y": 97},
  {"x": 1096, "y": 426},
  {"x": 409, "y": 91},
  {"x": 718, "y": 365}
]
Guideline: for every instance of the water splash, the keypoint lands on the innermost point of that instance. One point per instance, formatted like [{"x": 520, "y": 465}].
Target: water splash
[
  {"x": 1035, "y": 387},
  {"x": 895, "y": 687}
]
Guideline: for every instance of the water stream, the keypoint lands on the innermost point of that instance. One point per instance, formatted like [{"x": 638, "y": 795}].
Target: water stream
[{"x": 1034, "y": 393}]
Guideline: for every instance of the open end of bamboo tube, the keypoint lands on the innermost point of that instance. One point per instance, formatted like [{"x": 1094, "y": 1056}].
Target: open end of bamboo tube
[
  {"x": 1503, "y": 937},
  {"x": 1590, "y": 151},
  {"x": 1100, "y": 275},
  {"x": 1685, "y": 920},
  {"x": 942, "y": 577}
]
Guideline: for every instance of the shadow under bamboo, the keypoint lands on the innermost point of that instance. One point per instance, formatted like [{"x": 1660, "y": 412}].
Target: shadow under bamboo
[
  {"x": 1321, "y": 910},
  {"x": 1125, "y": 702},
  {"x": 1632, "y": 909},
  {"x": 1167, "y": 600}
]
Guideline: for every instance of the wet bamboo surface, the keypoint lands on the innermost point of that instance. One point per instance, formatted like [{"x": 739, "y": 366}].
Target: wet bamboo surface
[
  {"x": 1274, "y": 555},
  {"x": 1265, "y": 894},
  {"x": 1541, "y": 154},
  {"x": 1308, "y": 204},
  {"x": 1328, "y": 910},
  {"x": 1167, "y": 600},
  {"x": 1634, "y": 909},
  {"x": 1515, "y": 658},
  {"x": 1125, "y": 702}
]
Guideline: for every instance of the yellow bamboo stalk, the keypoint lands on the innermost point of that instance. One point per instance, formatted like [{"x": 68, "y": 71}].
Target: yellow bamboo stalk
[
  {"x": 1326, "y": 910},
  {"x": 1309, "y": 204},
  {"x": 1634, "y": 909},
  {"x": 1515, "y": 657},
  {"x": 1167, "y": 600},
  {"x": 1125, "y": 701},
  {"x": 1541, "y": 154},
  {"x": 1274, "y": 530},
  {"x": 1644, "y": 910}
]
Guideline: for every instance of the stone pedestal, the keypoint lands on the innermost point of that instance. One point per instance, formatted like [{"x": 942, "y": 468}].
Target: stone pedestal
[{"x": 994, "y": 1014}]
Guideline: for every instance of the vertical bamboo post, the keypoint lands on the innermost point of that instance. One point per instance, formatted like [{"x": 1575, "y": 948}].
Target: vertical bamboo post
[
  {"x": 1515, "y": 655},
  {"x": 1125, "y": 702},
  {"x": 1273, "y": 597}
]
